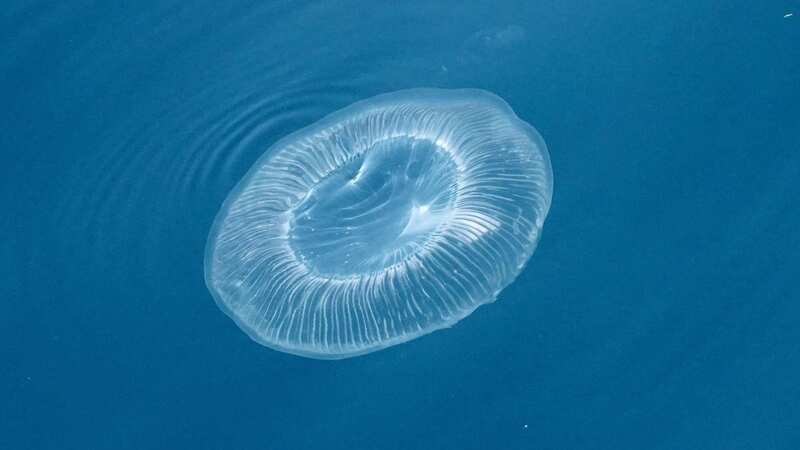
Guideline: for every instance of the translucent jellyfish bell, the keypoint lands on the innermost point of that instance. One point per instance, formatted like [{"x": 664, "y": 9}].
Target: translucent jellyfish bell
[{"x": 384, "y": 221}]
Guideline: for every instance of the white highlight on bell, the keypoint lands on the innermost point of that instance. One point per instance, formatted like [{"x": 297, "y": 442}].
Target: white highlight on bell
[
  {"x": 421, "y": 220},
  {"x": 358, "y": 174}
]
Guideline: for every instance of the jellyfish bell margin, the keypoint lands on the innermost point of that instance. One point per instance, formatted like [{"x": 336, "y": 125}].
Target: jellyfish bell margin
[{"x": 389, "y": 219}]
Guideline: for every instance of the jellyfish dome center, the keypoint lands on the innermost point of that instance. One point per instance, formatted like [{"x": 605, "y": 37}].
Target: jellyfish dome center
[{"x": 375, "y": 210}]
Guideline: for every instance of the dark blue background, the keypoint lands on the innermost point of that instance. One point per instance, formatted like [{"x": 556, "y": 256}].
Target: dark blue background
[{"x": 660, "y": 310}]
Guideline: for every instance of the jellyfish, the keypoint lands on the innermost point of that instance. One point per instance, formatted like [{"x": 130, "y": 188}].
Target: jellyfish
[{"x": 387, "y": 220}]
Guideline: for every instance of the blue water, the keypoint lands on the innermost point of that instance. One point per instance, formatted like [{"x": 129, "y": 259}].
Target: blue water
[{"x": 659, "y": 312}]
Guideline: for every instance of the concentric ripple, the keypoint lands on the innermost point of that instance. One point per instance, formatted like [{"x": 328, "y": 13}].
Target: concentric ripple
[{"x": 389, "y": 219}]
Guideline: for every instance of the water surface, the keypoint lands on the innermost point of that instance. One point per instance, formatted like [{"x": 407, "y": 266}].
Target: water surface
[{"x": 659, "y": 311}]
